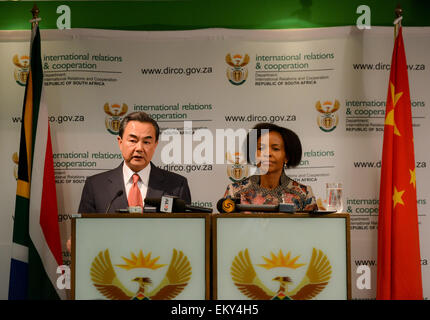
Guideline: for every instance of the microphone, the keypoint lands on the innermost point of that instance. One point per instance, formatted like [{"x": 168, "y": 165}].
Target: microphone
[
  {"x": 179, "y": 205},
  {"x": 232, "y": 205},
  {"x": 197, "y": 209},
  {"x": 118, "y": 194}
]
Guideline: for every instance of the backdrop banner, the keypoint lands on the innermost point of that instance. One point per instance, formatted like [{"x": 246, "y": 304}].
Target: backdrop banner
[{"x": 329, "y": 85}]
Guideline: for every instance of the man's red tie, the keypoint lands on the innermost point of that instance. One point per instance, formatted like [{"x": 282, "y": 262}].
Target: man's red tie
[{"x": 135, "y": 197}]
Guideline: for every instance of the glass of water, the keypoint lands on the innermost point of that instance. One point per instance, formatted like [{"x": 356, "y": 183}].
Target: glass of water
[{"x": 334, "y": 196}]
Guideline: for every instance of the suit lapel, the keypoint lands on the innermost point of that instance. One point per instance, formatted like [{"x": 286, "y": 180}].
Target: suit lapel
[
  {"x": 155, "y": 184},
  {"x": 116, "y": 183}
]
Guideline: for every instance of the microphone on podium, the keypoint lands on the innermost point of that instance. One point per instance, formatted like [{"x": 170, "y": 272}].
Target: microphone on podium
[
  {"x": 173, "y": 204},
  {"x": 118, "y": 194},
  {"x": 233, "y": 205}
]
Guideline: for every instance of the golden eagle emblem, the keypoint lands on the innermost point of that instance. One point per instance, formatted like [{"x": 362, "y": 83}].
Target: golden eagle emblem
[
  {"x": 22, "y": 69},
  {"x": 327, "y": 119},
  {"x": 237, "y": 73},
  {"x": 247, "y": 281},
  {"x": 107, "y": 283},
  {"x": 114, "y": 116}
]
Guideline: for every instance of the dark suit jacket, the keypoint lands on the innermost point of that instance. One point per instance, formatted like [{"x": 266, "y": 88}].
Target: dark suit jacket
[{"x": 101, "y": 188}]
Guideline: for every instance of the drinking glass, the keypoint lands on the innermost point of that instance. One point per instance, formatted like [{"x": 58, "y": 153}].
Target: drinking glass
[{"x": 334, "y": 196}]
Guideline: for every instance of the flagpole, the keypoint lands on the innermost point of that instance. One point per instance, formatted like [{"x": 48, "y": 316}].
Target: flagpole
[
  {"x": 34, "y": 23},
  {"x": 398, "y": 21},
  {"x": 35, "y": 12}
]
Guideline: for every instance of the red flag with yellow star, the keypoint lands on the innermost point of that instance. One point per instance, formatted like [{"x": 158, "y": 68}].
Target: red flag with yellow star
[{"x": 399, "y": 263}]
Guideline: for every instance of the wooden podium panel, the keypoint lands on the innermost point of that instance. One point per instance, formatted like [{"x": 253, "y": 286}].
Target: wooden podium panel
[
  {"x": 114, "y": 255},
  {"x": 281, "y": 256}
]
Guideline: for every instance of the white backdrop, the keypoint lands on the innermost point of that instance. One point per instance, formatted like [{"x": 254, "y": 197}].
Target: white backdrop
[{"x": 184, "y": 75}]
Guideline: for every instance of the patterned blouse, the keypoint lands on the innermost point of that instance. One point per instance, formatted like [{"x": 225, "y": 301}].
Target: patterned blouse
[{"x": 288, "y": 191}]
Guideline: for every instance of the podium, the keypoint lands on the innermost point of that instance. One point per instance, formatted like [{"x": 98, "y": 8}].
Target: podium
[
  {"x": 281, "y": 256},
  {"x": 141, "y": 256},
  {"x": 197, "y": 256}
]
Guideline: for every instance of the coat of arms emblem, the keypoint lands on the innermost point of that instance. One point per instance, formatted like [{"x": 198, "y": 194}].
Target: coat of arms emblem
[
  {"x": 246, "y": 279},
  {"x": 106, "y": 281},
  {"x": 237, "y": 73},
  {"x": 327, "y": 119},
  {"x": 114, "y": 116},
  {"x": 238, "y": 169},
  {"x": 22, "y": 68}
]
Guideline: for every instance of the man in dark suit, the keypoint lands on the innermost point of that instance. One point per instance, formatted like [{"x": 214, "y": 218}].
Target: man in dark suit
[{"x": 112, "y": 190}]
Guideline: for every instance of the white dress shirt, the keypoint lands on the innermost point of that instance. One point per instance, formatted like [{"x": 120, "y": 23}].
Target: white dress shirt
[{"x": 142, "y": 184}]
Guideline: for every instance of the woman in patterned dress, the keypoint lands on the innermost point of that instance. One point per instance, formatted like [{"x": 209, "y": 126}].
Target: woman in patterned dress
[{"x": 277, "y": 148}]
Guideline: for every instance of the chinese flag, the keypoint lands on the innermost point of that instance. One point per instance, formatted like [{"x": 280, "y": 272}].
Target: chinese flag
[{"x": 399, "y": 265}]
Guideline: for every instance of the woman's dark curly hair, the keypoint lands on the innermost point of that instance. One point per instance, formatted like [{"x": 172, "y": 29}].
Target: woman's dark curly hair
[{"x": 292, "y": 144}]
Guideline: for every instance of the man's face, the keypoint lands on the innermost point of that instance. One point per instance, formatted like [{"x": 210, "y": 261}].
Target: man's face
[{"x": 137, "y": 144}]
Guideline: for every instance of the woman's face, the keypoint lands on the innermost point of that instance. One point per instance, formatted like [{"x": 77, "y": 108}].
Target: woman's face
[{"x": 271, "y": 152}]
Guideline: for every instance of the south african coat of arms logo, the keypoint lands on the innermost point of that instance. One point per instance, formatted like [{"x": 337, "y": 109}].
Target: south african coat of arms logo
[
  {"x": 248, "y": 283},
  {"x": 237, "y": 73},
  {"x": 22, "y": 69},
  {"x": 105, "y": 279},
  {"x": 114, "y": 116},
  {"x": 237, "y": 170},
  {"x": 327, "y": 119}
]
